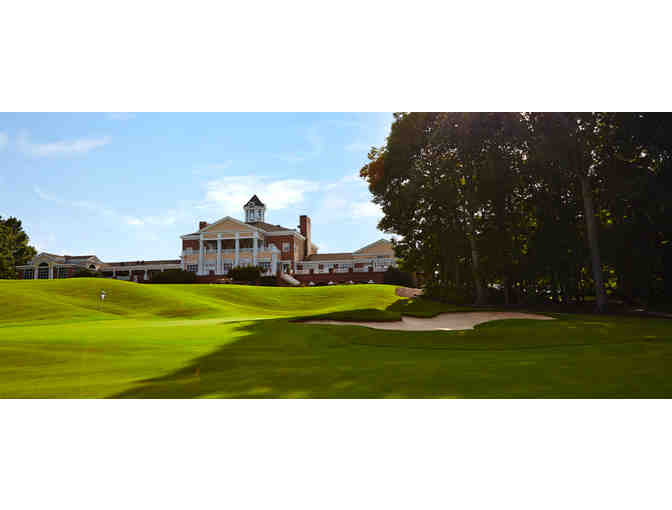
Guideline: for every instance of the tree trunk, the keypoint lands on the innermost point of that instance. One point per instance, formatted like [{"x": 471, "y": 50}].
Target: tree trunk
[
  {"x": 457, "y": 272},
  {"x": 505, "y": 283},
  {"x": 475, "y": 265},
  {"x": 591, "y": 227}
]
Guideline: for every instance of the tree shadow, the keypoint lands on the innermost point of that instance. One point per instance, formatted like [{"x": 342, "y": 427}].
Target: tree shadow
[{"x": 276, "y": 358}]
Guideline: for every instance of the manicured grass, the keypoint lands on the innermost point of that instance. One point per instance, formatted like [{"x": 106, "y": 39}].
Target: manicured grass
[{"x": 236, "y": 341}]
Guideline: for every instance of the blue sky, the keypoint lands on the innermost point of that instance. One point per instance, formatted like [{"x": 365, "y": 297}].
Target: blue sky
[{"x": 126, "y": 186}]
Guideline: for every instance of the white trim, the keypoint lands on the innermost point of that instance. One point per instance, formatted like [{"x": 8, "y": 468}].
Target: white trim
[
  {"x": 229, "y": 218},
  {"x": 285, "y": 233}
]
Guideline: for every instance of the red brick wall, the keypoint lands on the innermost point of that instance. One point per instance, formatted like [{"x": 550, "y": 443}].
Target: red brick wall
[
  {"x": 190, "y": 243},
  {"x": 278, "y": 240},
  {"x": 304, "y": 226}
]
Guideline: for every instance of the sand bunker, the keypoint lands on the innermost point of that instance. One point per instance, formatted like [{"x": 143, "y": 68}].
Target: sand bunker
[{"x": 443, "y": 322}]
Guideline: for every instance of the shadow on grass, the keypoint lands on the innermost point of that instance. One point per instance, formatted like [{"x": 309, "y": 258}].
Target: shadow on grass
[
  {"x": 511, "y": 358},
  {"x": 414, "y": 307},
  {"x": 273, "y": 358}
]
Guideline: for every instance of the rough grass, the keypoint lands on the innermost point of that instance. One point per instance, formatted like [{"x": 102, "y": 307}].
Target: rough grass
[{"x": 210, "y": 341}]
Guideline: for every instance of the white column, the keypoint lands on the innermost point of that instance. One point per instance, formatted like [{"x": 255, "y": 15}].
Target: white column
[
  {"x": 219, "y": 254},
  {"x": 51, "y": 271},
  {"x": 254, "y": 248},
  {"x": 35, "y": 278},
  {"x": 200, "y": 255},
  {"x": 274, "y": 263},
  {"x": 145, "y": 274},
  {"x": 114, "y": 272},
  {"x": 237, "y": 258}
]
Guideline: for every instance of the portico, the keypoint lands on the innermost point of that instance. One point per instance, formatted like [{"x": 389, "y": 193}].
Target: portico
[
  {"x": 215, "y": 248},
  {"x": 226, "y": 244}
]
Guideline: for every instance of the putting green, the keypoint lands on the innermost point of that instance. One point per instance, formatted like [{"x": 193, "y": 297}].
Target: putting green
[{"x": 57, "y": 340}]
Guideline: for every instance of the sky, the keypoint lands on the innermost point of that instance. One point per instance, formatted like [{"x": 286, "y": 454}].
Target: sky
[{"x": 125, "y": 186}]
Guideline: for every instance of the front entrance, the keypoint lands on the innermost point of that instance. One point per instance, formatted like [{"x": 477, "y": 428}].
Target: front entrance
[{"x": 43, "y": 271}]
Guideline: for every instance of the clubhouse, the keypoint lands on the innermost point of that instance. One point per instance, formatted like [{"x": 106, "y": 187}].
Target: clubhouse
[{"x": 217, "y": 247}]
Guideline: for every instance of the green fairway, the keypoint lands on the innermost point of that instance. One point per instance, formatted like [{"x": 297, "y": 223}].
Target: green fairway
[{"x": 56, "y": 340}]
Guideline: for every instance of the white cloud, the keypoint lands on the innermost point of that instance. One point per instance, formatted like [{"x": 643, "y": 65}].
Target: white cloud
[
  {"x": 4, "y": 139},
  {"x": 120, "y": 116},
  {"x": 167, "y": 219},
  {"x": 230, "y": 193},
  {"x": 62, "y": 147},
  {"x": 366, "y": 210},
  {"x": 156, "y": 221},
  {"x": 130, "y": 220}
]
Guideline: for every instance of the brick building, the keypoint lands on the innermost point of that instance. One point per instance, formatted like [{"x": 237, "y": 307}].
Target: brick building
[
  {"x": 47, "y": 266},
  {"x": 228, "y": 242},
  {"x": 219, "y": 246}
]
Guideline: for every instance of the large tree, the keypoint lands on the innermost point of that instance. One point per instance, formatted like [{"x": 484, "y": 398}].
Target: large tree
[
  {"x": 14, "y": 247},
  {"x": 536, "y": 206}
]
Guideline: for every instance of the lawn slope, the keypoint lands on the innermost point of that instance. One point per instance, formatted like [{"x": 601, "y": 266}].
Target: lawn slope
[
  {"x": 168, "y": 341},
  {"x": 78, "y": 299}
]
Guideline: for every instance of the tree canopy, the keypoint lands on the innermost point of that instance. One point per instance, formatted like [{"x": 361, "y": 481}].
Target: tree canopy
[
  {"x": 14, "y": 247},
  {"x": 527, "y": 207}
]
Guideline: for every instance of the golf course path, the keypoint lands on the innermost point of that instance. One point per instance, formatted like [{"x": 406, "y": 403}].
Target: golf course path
[{"x": 442, "y": 322}]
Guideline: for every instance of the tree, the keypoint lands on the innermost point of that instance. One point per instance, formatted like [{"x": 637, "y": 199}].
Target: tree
[
  {"x": 537, "y": 206},
  {"x": 436, "y": 180},
  {"x": 571, "y": 142},
  {"x": 14, "y": 247}
]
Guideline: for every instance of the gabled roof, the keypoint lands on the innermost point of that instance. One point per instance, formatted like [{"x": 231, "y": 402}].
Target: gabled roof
[
  {"x": 222, "y": 220},
  {"x": 66, "y": 259},
  {"x": 383, "y": 243},
  {"x": 254, "y": 201},
  {"x": 50, "y": 256},
  {"x": 267, "y": 227}
]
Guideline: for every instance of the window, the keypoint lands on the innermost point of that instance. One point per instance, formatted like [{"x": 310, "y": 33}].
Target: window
[
  {"x": 28, "y": 274},
  {"x": 192, "y": 268},
  {"x": 61, "y": 272},
  {"x": 43, "y": 271},
  {"x": 265, "y": 266},
  {"x": 285, "y": 247},
  {"x": 226, "y": 267},
  {"x": 299, "y": 267}
]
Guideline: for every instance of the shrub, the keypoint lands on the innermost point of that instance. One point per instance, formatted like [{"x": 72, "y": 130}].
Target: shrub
[
  {"x": 268, "y": 280},
  {"x": 396, "y": 276},
  {"x": 245, "y": 274},
  {"x": 173, "y": 276},
  {"x": 448, "y": 294}
]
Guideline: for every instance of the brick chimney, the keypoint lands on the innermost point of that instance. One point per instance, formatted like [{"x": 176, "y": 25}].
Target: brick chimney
[
  {"x": 202, "y": 225},
  {"x": 304, "y": 228}
]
